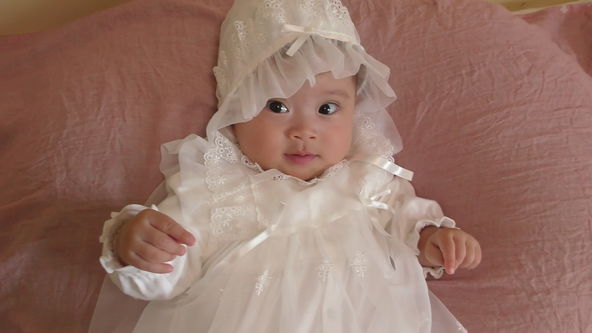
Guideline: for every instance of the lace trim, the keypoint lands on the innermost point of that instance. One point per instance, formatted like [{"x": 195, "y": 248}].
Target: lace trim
[
  {"x": 232, "y": 217},
  {"x": 337, "y": 10},
  {"x": 227, "y": 177},
  {"x": 222, "y": 226},
  {"x": 262, "y": 282},
  {"x": 251, "y": 34},
  {"x": 332, "y": 170},
  {"x": 225, "y": 151},
  {"x": 221, "y": 152},
  {"x": 310, "y": 7},
  {"x": 360, "y": 264},
  {"x": 370, "y": 140},
  {"x": 325, "y": 269},
  {"x": 252, "y": 165}
]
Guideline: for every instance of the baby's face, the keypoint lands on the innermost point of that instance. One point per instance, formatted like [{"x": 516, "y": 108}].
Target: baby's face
[{"x": 304, "y": 134}]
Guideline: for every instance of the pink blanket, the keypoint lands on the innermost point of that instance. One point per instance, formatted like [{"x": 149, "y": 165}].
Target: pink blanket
[
  {"x": 570, "y": 27},
  {"x": 495, "y": 114}
]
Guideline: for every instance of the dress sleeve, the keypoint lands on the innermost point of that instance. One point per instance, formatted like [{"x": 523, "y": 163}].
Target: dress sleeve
[
  {"x": 410, "y": 214},
  {"x": 146, "y": 285}
]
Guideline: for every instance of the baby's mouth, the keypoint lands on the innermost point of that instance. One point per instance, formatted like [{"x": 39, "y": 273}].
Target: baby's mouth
[{"x": 300, "y": 158}]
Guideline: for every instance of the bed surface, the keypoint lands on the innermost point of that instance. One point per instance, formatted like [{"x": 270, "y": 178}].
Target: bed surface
[{"x": 495, "y": 112}]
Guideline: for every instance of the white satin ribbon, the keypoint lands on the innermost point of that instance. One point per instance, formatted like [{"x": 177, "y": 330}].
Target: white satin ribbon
[
  {"x": 374, "y": 202},
  {"x": 307, "y": 31},
  {"x": 390, "y": 167},
  {"x": 250, "y": 245}
]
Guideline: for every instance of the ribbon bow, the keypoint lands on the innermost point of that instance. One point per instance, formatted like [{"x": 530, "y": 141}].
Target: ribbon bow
[{"x": 305, "y": 32}]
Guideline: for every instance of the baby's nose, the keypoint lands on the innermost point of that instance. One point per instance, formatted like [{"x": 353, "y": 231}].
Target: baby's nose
[
  {"x": 303, "y": 134},
  {"x": 302, "y": 130}
]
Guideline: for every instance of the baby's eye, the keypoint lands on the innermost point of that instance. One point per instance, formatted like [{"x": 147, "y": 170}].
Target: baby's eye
[
  {"x": 328, "y": 108},
  {"x": 277, "y": 107}
]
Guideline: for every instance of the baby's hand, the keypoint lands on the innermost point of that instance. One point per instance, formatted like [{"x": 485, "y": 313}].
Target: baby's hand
[
  {"x": 149, "y": 240},
  {"x": 451, "y": 248}
]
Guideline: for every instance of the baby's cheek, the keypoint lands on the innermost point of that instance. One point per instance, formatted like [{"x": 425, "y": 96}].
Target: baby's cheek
[{"x": 341, "y": 148}]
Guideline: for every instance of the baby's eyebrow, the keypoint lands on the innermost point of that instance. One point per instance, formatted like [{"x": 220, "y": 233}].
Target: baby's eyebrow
[{"x": 338, "y": 92}]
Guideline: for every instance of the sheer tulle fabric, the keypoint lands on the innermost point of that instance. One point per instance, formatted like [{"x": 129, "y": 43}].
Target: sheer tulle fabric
[
  {"x": 296, "y": 291},
  {"x": 281, "y": 75},
  {"x": 328, "y": 266}
]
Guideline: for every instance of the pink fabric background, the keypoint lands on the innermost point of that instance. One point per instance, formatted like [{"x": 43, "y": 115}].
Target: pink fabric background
[
  {"x": 571, "y": 28},
  {"x": 496, "y": 117}
]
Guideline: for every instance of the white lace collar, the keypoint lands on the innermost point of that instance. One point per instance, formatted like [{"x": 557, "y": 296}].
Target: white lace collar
[
  {"x": 280, "y": 176},
  {"x": 226, "y": 152}
]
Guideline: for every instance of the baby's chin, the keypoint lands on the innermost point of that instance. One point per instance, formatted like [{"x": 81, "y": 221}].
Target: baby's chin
[
  {"x": 303, "y": 174},
  {"x": 305, "y": 177}
]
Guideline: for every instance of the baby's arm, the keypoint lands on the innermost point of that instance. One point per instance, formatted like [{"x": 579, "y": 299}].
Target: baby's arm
[
  {"x": 450, "y": 248},
  {"x": 140, "y": 283},
  {"x": 150, "y": 239},
  {"x": 421, "y": 224}
]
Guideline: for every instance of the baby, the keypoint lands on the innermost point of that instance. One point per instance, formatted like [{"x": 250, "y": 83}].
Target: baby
[{"x": 291, "y": 216}]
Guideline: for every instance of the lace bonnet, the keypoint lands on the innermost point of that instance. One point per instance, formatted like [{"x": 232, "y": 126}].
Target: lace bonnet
[{"x": 269, "y": 48}]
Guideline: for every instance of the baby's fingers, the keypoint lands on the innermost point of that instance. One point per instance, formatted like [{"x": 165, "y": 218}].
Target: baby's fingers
[
  {"x": 173, "y": 229},
  {"x": 473, "y": 255},
  {"x": 469, "y": 257},
  {"x": 448, "y": 249},
  {"x": 152, "y": 254},
  {"x": 460, "y": 251},
  {"x": 140, "y": 263},
  {"x": 476, "y": 252},
  {"x": 164, "y": 242}
]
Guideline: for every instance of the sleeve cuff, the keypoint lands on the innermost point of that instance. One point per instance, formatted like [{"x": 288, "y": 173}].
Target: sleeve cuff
[
  {"x": 111, "y": 227},
  {"x": 436, "y": 272},
  {"x": 413, "y": 238},
  {"x": 443, "y": 222}
]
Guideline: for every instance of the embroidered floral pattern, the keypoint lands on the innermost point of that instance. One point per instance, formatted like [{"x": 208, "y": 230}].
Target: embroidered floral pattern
[
  {"x": 223, "y": 151},
  {"x": 337, "y": 10},
  {"x": 245, "y": 160},
  {"x": 372, "y": 140},
  {"x": 367, "y": 123},
  {"x": 275, "y": 10},
  {"x": 262, "y": 282},
  {"x": 333, "y": 170},
  {"x": 215, "y": 180},
  {"x": 311, "y": 8},
  {"x": 222, "y": 225},
  {"x": 241, "y": 31},
  {"x": 324, "y": 270},
  {"x": 280, "y": 177},
  {"x": 240, "y": 41},
  {"x": 360, "y": 264},
  {"x": 224, "y": 195},
  {"x": 272, "y": 4},
  {"x": 249, "y": 37}
]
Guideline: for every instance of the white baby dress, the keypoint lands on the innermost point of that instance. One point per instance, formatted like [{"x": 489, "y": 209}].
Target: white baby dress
[{"x": 275, "y": 253}]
